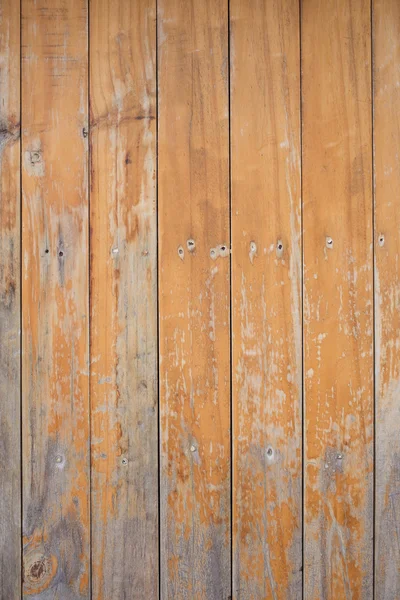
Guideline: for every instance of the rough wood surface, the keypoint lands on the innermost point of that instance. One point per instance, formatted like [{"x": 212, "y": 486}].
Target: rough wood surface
[
  {"x": 386, "y": 45},
  {"x": 338, "y": 299},
  {"x": 10, "y": 455},
  {"x": 124, "y": 300},
  {"x": 266, "y": 292},
  {"x": 55, "y": 299},
  {"x": 194, "y": 299}
]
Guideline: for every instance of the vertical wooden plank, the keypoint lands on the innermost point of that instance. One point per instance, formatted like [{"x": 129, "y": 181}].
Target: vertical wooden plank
[
  {"x": 194, "y": 270},
  {"x": 55, "y": 299},
  {"x": 386, "y": 60},
  {"x": 266, "y": 279},
  {"x": 10, "y": 456},
  {"x": 338, "y": 298},
  {"x": 124, "y": 299}
]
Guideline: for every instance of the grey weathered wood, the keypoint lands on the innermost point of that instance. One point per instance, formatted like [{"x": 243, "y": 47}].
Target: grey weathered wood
[
  {"x": 386, "y": 48},
  {"x": 10, "y": 467},
  {"x": 124, "y": 300}
]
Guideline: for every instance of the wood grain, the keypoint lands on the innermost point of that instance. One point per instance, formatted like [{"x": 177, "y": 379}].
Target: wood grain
[
  {"x": 55, "y": 299},
  {"x": 338, "y": 299},
  {"x": 266, "y": 292},
  {"x": 194, "y": 270},
  {"x": 386, "y": 60},
  {"x": 10, "y": 314},
  {"x": 124, "y": 300}
]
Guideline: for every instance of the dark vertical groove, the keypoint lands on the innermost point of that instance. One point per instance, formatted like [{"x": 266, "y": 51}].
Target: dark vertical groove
[
  {"x": 373, "y": 302},
  {"x": 230, "y": 292},
  {"x": 20, "y": 301},
  {"x": 303, "y": 408},
  {"x": 158, "y": 325},
  {"x": 89, "y": 159}
]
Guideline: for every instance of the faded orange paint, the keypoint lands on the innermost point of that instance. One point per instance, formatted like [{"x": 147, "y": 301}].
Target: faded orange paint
[
  {"x": 338, "y": 299},
  {"x": 124, "y": 299},
  {"x": 386, "y": 61},
  {"x": 193, "y": 150},
  {"x": 266, "y": 295},
  {"x": 55, "y": 299}
]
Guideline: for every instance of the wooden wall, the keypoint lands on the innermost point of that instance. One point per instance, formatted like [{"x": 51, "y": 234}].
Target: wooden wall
[{"x": 200, "y": 299}]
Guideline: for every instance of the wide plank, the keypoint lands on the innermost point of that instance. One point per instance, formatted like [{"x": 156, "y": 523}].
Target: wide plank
[
  {"x": 338, "y": 299},
  {"x": 10, "y": 313},
  {"x": 266, "y": 300},
  {"x": 194, "y": 265},
  {"x": 123, "y": 382},
  {"x": 386, "y": 61},
  {"x": 55, "y": 300}
]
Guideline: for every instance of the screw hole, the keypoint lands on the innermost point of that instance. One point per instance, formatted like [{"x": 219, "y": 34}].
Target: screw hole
[
  {"x": 61, "y": 253},
  {"x": 191, "y": 245},
  {"x": 124, "y": 461},
  {"x": 47, "y": 251}
]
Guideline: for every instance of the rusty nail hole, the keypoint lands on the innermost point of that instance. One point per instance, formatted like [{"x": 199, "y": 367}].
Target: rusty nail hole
[{"x": 124, "y": 461}]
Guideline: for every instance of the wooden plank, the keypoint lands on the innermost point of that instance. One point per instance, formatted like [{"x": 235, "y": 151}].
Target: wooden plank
[
  {"x": 266, "y": 292},
  {"x": 194, "y": 270},
  {"x": 10, "y": 315},
  {"x": 124, "y": 300},
  {"x": 386, "y": 60},
  {"x": 338, "y": 298},
  {"x": 55, "y": 299}
]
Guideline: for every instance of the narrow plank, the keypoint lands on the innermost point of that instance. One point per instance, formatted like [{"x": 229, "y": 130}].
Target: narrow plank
[
  {"x": 55, "y": 299},
  {"x": 266, "y": 292},
  {"x": 386, "y": 60},
  {"x": 124, "y": 300},
  {"x": 338, "y": 298},
  {"x": 10, "y": 315},
  {"x": 194, "y": 267}
]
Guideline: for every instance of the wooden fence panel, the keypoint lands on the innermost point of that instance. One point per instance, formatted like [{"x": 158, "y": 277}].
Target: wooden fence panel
[
  {"x": 55, "y": 299},
  {"x": 338, "y": 299},
  {"x": 266, "y": 292},
  {"x": 124, "y": 300},
  {"x": 386, "y": 60},
  {"x": 10, "y": 314},
  {"x": 194, "y": 267}
]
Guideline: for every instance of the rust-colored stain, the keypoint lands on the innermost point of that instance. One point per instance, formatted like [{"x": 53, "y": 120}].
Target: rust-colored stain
[{"x": 199, "y": 299}]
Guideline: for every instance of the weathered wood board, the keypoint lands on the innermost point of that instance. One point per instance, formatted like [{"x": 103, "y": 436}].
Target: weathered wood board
[
  {"x": 194, "y": 266},
  {"x": 338, "y": 299},
  {"x": 386, "y": 61},
  {"x": 266, "y": 299},
  {"x": 10, "y": 314},
  {"x": 123, "y": 300},
  {"x": 55, "y": 297}
]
